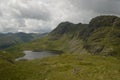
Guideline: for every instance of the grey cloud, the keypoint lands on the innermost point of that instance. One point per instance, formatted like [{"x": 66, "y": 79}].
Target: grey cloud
[
  {"x": 0, "y": 13},
  {"x": 21, "y": 22},
  {"x": 29, "y": 10},
  {"x": 44, "y": 15},
  {"x": 43, "y": 30},
  {"x": 34, "y": 13},
  {"x": 9, "y": 29},
  {"x": 98, "y": 6},
  {"x": 16, "y": 14}
]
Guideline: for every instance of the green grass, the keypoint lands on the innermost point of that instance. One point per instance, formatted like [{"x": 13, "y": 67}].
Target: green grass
[
  {"x": 65, "y": 44},
  {"x": 104, "y": 41},
  {"x": 64, "y": 67}
]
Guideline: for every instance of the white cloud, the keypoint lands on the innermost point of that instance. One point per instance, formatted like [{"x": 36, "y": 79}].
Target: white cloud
[
  {"x": 44, "y": 15},
  {"x": 32, "y": 9}
]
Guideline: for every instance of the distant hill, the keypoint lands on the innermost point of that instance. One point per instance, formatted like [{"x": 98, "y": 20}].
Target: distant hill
[{"x": 10, "y": 39}]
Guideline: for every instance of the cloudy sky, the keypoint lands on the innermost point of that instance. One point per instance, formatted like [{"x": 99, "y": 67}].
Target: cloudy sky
[{"x": 45, "y": 15}]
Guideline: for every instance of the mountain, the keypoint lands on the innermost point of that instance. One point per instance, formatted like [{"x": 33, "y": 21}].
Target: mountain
[
  {"x": 68, "y": 29},
  {"x": 90, "y": 52},
  {"x": 100, "y": 36},
  {"x": 10, "y": 39}
]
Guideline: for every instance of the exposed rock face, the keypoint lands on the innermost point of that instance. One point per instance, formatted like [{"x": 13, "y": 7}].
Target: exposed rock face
[
  {"x": 117, "y": 22},
  {"x": 67, "y": 28},
  {"x": 104, "y": 35},
  {"x": 102, "y": 21},
  {"x": 62, "y": 28}
]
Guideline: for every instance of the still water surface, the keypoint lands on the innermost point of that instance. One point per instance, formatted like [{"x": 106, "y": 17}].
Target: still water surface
[{"x": 30, "y": 55}]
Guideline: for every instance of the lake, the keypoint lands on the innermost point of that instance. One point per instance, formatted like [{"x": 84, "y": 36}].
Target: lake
[{"x": 30, "y": 55}]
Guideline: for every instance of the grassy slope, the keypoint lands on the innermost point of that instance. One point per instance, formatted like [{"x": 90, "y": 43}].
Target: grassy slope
[
  {"x": 105, "y": 38},
  {"x": 67, "y": 66},
  {"x": 64, "y": 44},
  {"x": 64, "y": 67}
]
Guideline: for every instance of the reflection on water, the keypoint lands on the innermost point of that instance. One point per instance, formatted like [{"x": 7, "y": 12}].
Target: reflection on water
[{"x": 29, "y": 55}]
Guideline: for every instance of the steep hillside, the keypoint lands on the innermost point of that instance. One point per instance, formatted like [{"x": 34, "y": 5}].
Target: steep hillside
[
  {"x": 103, "y": 36},
  {"x": 67, "y": 28}
]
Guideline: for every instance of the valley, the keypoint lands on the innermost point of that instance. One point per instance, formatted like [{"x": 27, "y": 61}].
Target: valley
[{"x": 89, "y": 52}]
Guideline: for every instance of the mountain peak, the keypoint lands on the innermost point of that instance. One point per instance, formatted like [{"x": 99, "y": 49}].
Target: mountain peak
[
  {"x": 102, "y": 21},
  {"x": 62, "y": 28}
]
